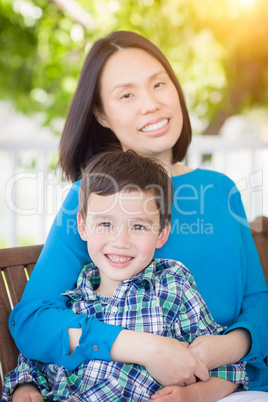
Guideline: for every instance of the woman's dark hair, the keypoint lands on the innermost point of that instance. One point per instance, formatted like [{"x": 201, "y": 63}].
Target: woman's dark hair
[
  {"x": 115, "y": 171},
  {"x": 83, "y": 137}
]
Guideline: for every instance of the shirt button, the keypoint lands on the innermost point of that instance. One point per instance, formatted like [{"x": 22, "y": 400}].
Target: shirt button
[
  {"x": 114, "y": 309},
  {"x": 13, "y": 323},
  {"x": 95, "y": 348}
]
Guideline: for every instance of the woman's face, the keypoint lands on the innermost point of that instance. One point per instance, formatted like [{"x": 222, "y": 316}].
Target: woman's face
[{"x": 140, "y": 103}]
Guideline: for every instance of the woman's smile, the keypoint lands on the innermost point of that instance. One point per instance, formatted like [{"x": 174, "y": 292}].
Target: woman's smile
[{"x": 156, "y": 127}]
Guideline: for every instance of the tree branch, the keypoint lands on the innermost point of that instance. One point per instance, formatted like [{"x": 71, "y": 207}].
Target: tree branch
[
  {"x": 77, "y": 12},
  {"x": 252, "y": 73}
]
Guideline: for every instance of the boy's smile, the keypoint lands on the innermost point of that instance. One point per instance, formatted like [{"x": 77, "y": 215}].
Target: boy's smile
[
  {"x": 118, "y": 260},
  {"x": 122, "y": 232}
]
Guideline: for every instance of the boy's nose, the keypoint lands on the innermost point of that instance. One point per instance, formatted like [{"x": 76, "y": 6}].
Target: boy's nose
[{"x": 121, "y": 239}]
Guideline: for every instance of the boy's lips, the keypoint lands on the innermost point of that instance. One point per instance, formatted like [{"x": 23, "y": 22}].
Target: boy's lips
[{"x": 118, "y": 259}]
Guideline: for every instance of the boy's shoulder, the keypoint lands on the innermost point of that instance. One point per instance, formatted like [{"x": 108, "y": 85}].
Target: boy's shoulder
[
  {"x": 173, "y": 283},
  {"x": 172, "y": 270}
]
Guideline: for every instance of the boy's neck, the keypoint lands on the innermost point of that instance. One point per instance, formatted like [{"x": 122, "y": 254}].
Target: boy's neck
[
  {"x": 102, "y": 291},
  {"x": 107, "y": 287}
]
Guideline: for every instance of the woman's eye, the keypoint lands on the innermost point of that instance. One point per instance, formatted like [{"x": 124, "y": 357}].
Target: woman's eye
[
  {"x": 159, "y": 84},
  {"x": 126, "y": 96}
]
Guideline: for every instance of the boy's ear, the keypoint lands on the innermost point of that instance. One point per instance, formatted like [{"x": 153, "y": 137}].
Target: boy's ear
[
  {"x": 163, "y": 236},
  {"x": 81, "y": 227},
  {"x": 100, "y": 116}
]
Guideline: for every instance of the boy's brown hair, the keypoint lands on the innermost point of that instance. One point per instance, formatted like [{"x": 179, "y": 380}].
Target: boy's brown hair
[{"x": 114, "y": 171}]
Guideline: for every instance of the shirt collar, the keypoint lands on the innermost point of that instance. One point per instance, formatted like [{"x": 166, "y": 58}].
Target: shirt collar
[
  {"x": 89, "y": 279},
  {"x": 93, "y": 274},
  {"x": 147, "y": 275}
]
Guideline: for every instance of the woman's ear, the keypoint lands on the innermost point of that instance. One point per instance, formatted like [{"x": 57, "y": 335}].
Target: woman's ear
[
  {"x": 100, "y": 117},
  {"x": 81, "y": 227},
  {"x": 163, "y": 236}
]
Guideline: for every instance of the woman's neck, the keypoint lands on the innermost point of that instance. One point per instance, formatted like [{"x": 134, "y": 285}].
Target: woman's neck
[
  {"x": 177, "y": 169},
  {"x": 173, "y": 169}
]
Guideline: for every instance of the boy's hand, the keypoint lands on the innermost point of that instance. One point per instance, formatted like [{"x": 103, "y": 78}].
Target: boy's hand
[
  {"x": 210, "y": 391},
  {"x": 171, "y": 394},
  {"x": 26, "y": 393}
]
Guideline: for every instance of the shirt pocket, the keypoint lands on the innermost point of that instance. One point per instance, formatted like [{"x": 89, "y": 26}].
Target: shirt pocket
[
  {"x": 108, "y": 390},
  {"x": 146, "y": 319}
]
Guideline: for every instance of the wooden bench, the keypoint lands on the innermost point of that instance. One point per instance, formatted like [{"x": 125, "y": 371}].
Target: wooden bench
[{"x": 16, "y": 266}]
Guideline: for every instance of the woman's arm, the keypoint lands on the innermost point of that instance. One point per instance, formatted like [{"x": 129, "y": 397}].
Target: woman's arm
[
  {"x": 168, "y": 360},
  {"x": 163, "y": 357},
  {"x": 42, "y": 316},
  {"x": 253, "y": 316},
  {"x": 247, "y": 338},
  {"x": 216, "y": 351}
]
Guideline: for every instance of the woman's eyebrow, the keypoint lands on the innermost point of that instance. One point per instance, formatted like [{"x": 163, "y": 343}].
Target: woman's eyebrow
[
  {"x": 131, "y": 84},
  {"x": 157, "y": 73},
  {"x": 122, "y": 85}
]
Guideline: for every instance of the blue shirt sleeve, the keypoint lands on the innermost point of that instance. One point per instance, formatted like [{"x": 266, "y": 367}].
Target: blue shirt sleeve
[
  {"x": 253, "y": 315},
  {"x": 41, "y": 317}
]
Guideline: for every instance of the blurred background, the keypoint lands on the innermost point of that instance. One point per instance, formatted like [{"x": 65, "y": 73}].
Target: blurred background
[{"x": 218, "y": 49}]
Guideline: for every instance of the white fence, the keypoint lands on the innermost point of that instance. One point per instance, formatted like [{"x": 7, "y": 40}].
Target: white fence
[{"x": 31, "y": 193}]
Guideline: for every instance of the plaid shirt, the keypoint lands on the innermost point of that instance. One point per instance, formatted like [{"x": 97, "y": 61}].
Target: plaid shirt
[{"x": 162, "y": 300}]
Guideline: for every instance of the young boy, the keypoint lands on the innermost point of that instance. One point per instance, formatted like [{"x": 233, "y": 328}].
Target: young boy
[{"x": 124, "y": 215}]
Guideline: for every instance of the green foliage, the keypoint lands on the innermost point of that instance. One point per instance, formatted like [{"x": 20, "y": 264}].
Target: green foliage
[{"x": 217, "y": 48}]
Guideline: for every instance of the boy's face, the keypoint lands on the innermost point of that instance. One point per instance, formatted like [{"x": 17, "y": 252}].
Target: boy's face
[{"x": 122, "y": 233}]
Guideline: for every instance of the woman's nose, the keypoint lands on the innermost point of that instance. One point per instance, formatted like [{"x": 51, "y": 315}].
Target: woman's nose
[{"x": 149, "y": 103}]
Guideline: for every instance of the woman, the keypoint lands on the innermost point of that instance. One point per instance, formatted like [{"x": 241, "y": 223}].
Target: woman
[{"x": 128, "y": 95}]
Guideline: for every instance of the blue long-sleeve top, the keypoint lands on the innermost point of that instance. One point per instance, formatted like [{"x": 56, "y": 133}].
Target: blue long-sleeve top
[{"x": 209, "y": 234}]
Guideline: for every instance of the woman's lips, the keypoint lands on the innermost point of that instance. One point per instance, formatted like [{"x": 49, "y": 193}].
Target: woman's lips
[{"x": 149, "y": 128}]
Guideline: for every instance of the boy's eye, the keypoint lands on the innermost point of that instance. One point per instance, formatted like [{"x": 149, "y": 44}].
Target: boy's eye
[
  {"x": 106, "y": 224},
  {"x": 139, "y": 227}
]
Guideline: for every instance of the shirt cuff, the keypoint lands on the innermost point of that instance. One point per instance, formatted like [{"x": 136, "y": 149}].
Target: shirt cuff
[
  {"x": 95, "y": 342},
  {"x": 255, "y": 350}
]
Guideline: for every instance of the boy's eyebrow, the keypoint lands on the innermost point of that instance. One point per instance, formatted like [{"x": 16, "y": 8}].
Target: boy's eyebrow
[
  {"x": 142, "y": 220},
  {"x": 130, "y": 84},
  {"x": 97, "y": 217}
]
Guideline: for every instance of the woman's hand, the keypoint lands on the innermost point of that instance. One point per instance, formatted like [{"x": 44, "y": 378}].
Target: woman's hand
[
  {"x": 26, "y": 393},
  {"x": 172, "y": 363},
  {"x": 169, "y": 361},
  {"x": 219, "y": 350}
]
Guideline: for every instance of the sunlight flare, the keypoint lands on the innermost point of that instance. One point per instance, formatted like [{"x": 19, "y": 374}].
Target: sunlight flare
[{"x": 245, "y": 3}]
